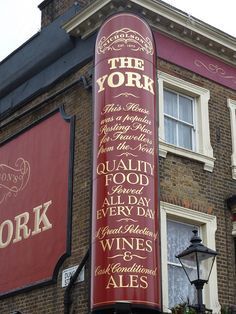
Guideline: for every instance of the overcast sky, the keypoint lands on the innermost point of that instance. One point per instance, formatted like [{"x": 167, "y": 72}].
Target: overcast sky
[{"x": 20, "y": 19}]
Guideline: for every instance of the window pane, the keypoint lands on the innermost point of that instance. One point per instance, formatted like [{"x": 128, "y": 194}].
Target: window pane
[
  {"x": 185, "y": 136},
  {"x": 178, "y": 239},
  {"x": 180, "y": 289},
  {"x": 170, "y": 131},
  {"x": 185, "y": 109},
  {"x": 170, "y": 103}
]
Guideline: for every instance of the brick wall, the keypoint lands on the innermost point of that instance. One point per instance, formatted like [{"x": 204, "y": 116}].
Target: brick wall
[
  {"x": 78, "y": 102},
  {"x": 183, "y": 182},
  {"x": 51, "y": 9}
]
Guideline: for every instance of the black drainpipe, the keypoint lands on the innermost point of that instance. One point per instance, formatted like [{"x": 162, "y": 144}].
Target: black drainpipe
[{"x": 67, "y": 295}]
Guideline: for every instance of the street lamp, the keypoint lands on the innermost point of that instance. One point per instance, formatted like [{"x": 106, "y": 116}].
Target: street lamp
[{"x": 197, "y": 261}]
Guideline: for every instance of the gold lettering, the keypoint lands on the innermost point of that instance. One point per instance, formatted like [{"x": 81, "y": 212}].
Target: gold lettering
[
  {"x": 120, "y": 178},
  {"x": 148, "y": 84},
  {"x": 107, "y": 244},
  {"x": 112, "y": 200},
  {"x": 121, "y": 190},
  {"x": 130, "y": 79},
  {"x": 21, "y": 225},
  {"x": 101, "y": 81},
  {"x": 9, "y": 225},
  {"x": 115, "y": 79},
  {"x": 111, "y": 283},
  {"x": 133, "y": 80},
  {"x": 41, "y": 218},
  {"x": 143, "y": 280},
  {"x": 138, "y": 244},
  {"x": 143, "y": 201},
  {"x": 139, "y": 64},
  {"x": 125, "y": 165},
  {"x": 145, "y": 212},
  {"x": 112, "y": 63},
  {"x": 114, "y": 211},
  {"x": 127, "y": 281},
  {"x": 126, "y": 62}
]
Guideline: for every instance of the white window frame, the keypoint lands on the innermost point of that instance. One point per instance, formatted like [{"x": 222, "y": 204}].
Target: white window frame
[
  {"x": 178, "y": 120},
  {"x": 203, "y": 149},
  {"x": 232, "y": 107},
  {"x": 208, "y": 226},
  {"x": 177, "y": 263}
]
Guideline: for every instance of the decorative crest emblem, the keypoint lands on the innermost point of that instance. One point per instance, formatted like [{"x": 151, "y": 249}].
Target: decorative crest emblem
[
  {"x": 125, "y": 37},
  {"x": 13, "y": 179}
]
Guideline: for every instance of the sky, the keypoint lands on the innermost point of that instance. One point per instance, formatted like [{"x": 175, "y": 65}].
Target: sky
[{"x": 20, "y": 19}]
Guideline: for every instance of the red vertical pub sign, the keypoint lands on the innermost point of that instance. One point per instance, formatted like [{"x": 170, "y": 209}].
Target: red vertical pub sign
[{"x": 125, "y": 260}]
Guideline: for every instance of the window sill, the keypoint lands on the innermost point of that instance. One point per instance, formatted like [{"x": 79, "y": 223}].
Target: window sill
[{"x": 208, "y": 161}]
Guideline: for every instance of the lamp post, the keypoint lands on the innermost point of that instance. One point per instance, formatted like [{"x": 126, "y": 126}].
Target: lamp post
[{"x": 197, "y": 261}]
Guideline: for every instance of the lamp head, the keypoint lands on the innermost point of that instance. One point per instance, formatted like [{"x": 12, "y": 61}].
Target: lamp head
[{"x": 197, "y": 260}]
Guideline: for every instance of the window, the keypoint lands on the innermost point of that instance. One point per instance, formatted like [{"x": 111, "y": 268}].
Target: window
[
  {"x": 184, "y": 120},
  {"x": 176, "y": 228},
  {"x": 179, "y": 288},
  {"x": 178, "y": 119},
  {"x": 232, "y": 108}
]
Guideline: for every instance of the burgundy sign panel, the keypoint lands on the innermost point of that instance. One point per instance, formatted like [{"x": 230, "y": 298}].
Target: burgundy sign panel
[
  {"x": 196, "y": 61},
  {"x": 125, "y": 262},
  {"x": 34, "y": 169}
]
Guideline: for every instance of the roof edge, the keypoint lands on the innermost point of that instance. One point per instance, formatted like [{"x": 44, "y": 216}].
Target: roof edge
[{"x": 162, "y": 17}]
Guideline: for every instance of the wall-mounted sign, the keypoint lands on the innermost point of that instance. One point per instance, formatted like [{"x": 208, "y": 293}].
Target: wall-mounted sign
[
  {"x": 34, "y": 204},
  {"x": 125, "y": 262},
  {"x": 68, "y": 273}
]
